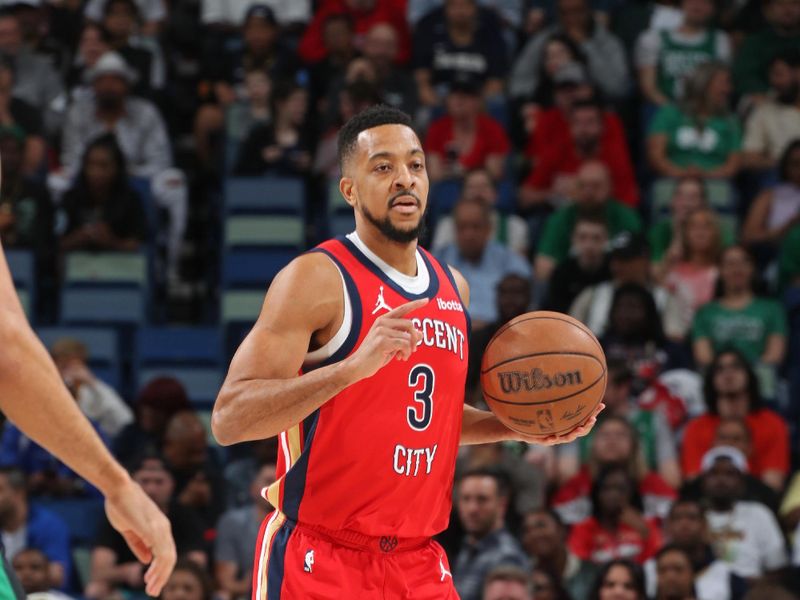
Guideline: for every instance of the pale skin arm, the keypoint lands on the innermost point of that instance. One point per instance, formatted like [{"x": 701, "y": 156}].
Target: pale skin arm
[
  {"x": 30, "y": 387},
  {"x": 259, "y": 398},
  {"x": 543, "y": 266},
  {"x": 774, "y": 479},
  {"x": 670, "y": 470},
  {"x": 775, "y": 350},
  {"x": 482, "y": 427},
  {"x": 657, "y": 155},
  {"x": 703, "y": 352},
  {"x": 728, "y": 169},
  {"x": 427, "y": 95},
  {"x": 755, "y": 228},
  {"x": 649, "y": 87}
]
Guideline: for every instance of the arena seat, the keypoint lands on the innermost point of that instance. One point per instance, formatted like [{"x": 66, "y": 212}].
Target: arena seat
[
  {"x": 201, "y": 383},
  {"x": 264, "y": 195}
]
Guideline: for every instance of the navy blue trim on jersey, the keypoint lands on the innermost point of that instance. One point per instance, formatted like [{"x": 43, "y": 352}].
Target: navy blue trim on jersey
[
  {"x": 433, "y": 286},
  {"x": 356, "y": 315},
  {"x": 277, "y": 560},
  {"x": 294, "y": 484},
  {"x": 449, "y": 273}
]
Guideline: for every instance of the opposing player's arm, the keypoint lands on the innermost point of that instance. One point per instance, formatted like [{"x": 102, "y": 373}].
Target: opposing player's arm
[
  {"x": 482, "y": 427},
  {"x": 263, "y": 393}
]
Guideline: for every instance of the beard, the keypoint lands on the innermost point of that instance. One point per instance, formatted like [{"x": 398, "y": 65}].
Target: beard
[
  {"x": 395, "y": 234},
  {"x": 109, "y": 101}
]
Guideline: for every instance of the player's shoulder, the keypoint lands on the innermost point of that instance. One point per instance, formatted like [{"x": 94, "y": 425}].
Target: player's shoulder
[
  {"x": 461, "y": 284},
  {"x": 309, "y": 282}
]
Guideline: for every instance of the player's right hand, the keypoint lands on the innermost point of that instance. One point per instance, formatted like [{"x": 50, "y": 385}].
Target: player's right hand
[{"x": 391, "y": 336}]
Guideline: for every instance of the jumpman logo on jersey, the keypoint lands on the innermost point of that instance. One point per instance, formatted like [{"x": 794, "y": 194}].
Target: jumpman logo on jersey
[
  {"x": 445, "y": 572},
  {"x": 380, "y": 303}
]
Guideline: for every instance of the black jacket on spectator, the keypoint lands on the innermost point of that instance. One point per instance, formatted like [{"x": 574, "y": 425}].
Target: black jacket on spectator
[
  {"x": 569, "y": 280},
  {"x": 125, "y": 215}
]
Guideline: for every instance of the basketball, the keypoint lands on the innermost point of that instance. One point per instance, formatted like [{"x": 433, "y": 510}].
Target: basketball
[{"x": 543, "y": 373}]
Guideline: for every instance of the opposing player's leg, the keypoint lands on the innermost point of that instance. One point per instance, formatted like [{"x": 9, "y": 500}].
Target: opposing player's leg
[{"x": 420, "y": 575}]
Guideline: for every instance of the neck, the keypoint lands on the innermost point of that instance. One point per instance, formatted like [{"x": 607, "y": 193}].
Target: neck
[
  {"x": 738, "y": 297},
  {"x": 477, "y": 536},
  {"x": 402, "y": 257}
]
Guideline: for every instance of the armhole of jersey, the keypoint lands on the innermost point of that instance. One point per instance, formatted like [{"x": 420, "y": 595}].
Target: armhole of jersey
[
  {"x": 340, "y": 337},
  {"x": 449, "y": 273}
]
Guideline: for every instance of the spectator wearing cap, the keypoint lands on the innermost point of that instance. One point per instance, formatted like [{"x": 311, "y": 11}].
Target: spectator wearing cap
[
  {"x": 549, "y": 127},
  {"x": 155, "y": 405},
  {"x": 732, "y": 392},
  {"x": 459, "y": 40},
  {"x": 775, "y": 122},
  {"x": 114, "y": 568},
  {"x": 677, "y": 145},
  {"x": 363, "y": 14},
  {"x": 466, "y": 137},
  {"x": 666, "y": 57},
  {"x": 585, "y": 266},
  {"x": 153, "y": 13},
  {"x": 686, "y": 529},
  {"x": 96, "y": 399},
  {"x": 225, "y": 68},
  {"x": 544, "y": 538},
  {"x": 653, "y": 434},
  {"x": 288, "y": 13},
  {"x": 616, "y": 442},
  {"x": 237, "y": 535},
  {"x": 593, "y": 195},
  {"x": 739, "y": 318},
  {"x": 781, "y": 34},
  {"x": 142, "y": 136},
  {"x": 629, "y": 262},
  {"x": 553, "y": 178},
  {"x": 510, "y": 230},
  {"x": 744, "y": 534},
  {"x": 608, "y": 64},
  {"x": 482, "y": 497},
  {"x": 482, "y": 261},
  {"x": 26, "y": 524},
  {"x": 36, "y": 81},
  {"x": 23, "y": 117}
]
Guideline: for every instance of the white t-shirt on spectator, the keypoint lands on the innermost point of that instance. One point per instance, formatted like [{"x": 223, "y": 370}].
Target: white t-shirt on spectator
[
  {"x": 748, "y": 538},
  {"x": 232, "y": 12},
  {"x": 150, "y": 10}
]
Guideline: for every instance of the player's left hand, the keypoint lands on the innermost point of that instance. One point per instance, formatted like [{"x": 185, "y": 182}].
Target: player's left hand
[{"x": 565, "y": 438}]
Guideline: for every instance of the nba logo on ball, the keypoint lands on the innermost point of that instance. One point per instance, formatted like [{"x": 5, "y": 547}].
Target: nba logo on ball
[{"x": 543, "y": 373}]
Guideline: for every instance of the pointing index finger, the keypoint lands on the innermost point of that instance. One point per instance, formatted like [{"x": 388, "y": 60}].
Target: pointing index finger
[{"x": 406, "y": 308}]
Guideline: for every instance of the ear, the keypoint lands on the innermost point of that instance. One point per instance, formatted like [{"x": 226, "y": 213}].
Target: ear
[{"x": 347, "y": 188}]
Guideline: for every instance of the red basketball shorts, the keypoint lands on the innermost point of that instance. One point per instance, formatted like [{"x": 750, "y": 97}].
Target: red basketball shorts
[{"x": 297, "y": 562}]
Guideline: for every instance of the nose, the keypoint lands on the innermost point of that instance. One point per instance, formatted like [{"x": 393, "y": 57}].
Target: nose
[{"x": 404, "y": 179}]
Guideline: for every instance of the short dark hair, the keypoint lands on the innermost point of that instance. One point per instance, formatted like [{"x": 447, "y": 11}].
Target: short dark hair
[
  {"x": 684, "y": 500},
  {"x": 199, "y": 573},
  {"x": 753, "y": 391},
  {"x": 371, "y": 117},
  {"x": 16, "y": 478},
  {"x": 634, "y": 570},
  {"x": 592, "y": 217},
  {"x": 672, "y": 547},
  {"x": 634, "y": 498},
  {"x": 501, "y": 478},
  {"x": 132, "y": 6}
]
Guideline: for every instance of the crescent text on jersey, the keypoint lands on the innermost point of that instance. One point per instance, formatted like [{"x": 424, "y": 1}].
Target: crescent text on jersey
[{"x": 441, "y": 334}]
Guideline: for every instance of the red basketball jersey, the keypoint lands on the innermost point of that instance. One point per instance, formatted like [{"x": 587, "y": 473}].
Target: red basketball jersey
[{"x": 378, "y": 458}]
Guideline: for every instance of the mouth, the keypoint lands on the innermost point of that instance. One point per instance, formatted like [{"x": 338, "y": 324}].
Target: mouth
[{"x": 405, "y": 204}]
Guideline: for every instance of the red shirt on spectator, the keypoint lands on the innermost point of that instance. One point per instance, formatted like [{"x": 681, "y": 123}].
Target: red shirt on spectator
[
  {"x": 555, "y": 155},
  {"x": 490, "y": 138},
  {"x": 589, "y": 541},
  {"x": 572, "y": 501},
  {"x": 770, "y": 443},
  {"x": 312, "y": 47}
]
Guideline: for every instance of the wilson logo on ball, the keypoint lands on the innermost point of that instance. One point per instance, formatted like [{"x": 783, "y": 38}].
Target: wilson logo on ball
[{"x": 512, "y": 382}]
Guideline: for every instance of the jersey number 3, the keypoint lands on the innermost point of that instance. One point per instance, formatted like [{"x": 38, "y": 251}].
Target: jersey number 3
[{"x": 419, "y": 416}]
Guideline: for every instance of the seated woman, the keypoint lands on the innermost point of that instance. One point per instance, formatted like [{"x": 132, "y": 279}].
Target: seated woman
[
  {"x": 776, "y": 210},
  {"x": 617, "y": 527},
  {"x": 282, "y": 147},
  {"x": 738, "y": 318},
  {"x": 694, "y": 272},
  {"x": 103, "y": 211},
  {"x": 699, "y": 137},
  {"x": 614, "y": 442},
  {"x": 732, "y": 392},
  {"x": 619, "y": 579}
]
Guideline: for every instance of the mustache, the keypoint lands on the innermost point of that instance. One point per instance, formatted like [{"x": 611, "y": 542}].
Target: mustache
[{"x": 402, "y": 193}]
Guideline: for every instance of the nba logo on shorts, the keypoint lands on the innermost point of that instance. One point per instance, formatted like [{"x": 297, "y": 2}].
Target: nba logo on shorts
[{"x": 308, "y": 563}]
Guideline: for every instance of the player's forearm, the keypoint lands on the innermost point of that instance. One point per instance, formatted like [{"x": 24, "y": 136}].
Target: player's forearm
[
  {"x": 33, "y": 396},
  {"x": 482, "y": 427},
  {"x": 256, "y": 409}
]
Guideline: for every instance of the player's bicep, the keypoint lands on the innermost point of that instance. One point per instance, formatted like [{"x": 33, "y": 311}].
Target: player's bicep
[
  {"x": 461, "y": 284},
  {"x": 299, "y": 302}
]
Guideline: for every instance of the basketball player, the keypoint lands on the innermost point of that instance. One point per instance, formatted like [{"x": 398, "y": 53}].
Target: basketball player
[
  {"x": 34, "y": 398},
  {"x": 377, "y": 330}
]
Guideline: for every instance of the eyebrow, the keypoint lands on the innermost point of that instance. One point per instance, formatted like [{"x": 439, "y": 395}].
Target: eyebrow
[{"x": 387, "y": 154}]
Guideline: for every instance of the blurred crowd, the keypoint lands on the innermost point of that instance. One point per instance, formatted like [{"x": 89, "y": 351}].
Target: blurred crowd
[{"x": 634, "y": 163}]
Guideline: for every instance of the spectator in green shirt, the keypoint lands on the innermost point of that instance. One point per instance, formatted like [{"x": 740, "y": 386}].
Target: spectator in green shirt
[
  {"x": 738, "y": 318},
  {"x": 664, "y": 236},
  {"x": 699, "y": 136},
  {"x": 757, "y": 50},
  {"x": 592, "y": 196}
]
